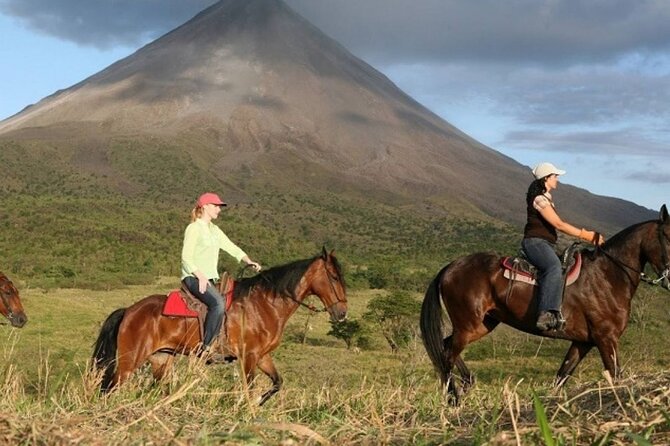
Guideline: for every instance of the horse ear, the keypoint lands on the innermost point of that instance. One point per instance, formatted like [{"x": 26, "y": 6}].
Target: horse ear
[
  {"x": 663, "y": 215},
  {"x": 332, "y": 252},
  {"x": 324, "y": 253}
]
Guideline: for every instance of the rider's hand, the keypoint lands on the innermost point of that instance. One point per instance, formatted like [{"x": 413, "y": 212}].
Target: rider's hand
[
  {"x": 203, "y": 281},
  {"x": 202, "y": 285},
  {"x": 255, "y": 265},
  {"x": 590, "y": 236}
]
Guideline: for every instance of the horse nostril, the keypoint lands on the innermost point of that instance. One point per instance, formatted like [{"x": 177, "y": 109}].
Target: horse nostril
[{"x": 19, "y": 320}]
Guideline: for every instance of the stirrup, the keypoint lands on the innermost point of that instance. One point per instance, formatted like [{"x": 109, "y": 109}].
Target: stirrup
[
  {"x": 210, "y": 356},
  {"x": 559, "y": 320}
]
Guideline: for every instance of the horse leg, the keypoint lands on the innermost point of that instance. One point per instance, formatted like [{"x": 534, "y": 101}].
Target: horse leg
[
  {"x": 454, "y": 346},
  {"x": 249, "y": 363},
  {"x": 451, "y": 386},
  {"x": 573, "y": 357},
  {"x": 488, "y": 325},
  {"x": 161, "y": 364},
  {"x": 467, "y": 378},
  {"x": 608, "y": 348},
  {"x": 131, "y": 355},
  {"x": 267, "y": 366}
]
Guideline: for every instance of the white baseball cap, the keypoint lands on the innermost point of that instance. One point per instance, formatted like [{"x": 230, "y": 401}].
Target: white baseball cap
[{"x": 544, "y": 169}]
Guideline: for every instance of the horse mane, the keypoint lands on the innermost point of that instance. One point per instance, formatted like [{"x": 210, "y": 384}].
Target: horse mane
[
  {"x": 620, "y": 237},
  {"x": 280, "y": 280}
]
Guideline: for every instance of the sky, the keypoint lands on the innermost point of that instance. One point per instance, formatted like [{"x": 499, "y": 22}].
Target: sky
[{"x": 584, "y": 84}]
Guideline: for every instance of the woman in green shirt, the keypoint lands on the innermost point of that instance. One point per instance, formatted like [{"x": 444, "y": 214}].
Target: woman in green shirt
[{"x": 200, "y": 258}]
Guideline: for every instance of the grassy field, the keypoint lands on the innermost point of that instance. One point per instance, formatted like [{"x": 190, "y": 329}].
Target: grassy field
[{"x": 331, "y": 395}]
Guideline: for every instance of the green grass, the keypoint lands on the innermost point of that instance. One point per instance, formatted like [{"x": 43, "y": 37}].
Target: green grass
[
  {"x": 103, "y": 214},
  {"x": 330, "y": 394}
]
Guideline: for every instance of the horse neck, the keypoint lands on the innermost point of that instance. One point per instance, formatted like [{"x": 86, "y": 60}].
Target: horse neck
[
  {"x": 629, "y": 254},
  {"x": 636, "y": 246},
  {"x": 304, "y": 288},
  {"x": 290, "y": 298}
]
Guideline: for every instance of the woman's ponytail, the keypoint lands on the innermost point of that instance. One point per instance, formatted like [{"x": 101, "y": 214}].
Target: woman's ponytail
[
  {"x": 536, "y": 188},
  {"x": 196, "y": 212}
]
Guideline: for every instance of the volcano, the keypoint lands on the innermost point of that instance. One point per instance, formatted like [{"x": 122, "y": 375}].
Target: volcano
[{"x": 250, "y": 89}]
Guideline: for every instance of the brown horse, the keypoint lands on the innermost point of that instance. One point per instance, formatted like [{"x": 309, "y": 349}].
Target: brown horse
[
  {"x": 597, "y": 306},
  {"x": 10, "y": 303},
  {"x": 254, "y": 324}
]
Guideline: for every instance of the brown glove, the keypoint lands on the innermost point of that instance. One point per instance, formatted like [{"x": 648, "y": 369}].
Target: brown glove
[{"x": 590, "y": 236}]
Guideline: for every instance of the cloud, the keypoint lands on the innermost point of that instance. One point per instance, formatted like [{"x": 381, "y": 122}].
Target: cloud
[
  {"x": 550, "y": 68},
  {"x": 627, "y": 142},
  {"x": 103, "y": 23},
  {"x": 587, "y": 95},
  {"x": 527, "y": 31},
  {"x": 649, "y": 177}
]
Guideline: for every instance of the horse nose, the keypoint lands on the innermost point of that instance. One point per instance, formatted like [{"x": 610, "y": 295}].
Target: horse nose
[
  {"x": 19, "y": 320},
  {"x": 339, "y": 314}
]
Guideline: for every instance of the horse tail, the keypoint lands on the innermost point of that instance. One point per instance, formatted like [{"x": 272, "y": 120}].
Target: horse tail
[
  {"x": 104, "y": 353},
  {"x": 431, "y": 328}
]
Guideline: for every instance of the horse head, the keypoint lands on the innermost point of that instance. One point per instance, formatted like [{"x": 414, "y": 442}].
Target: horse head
[
  {"x": 10, "y": 303},
  {"x": 660, "y": 258},
  {"x": 328, "y": 285}
]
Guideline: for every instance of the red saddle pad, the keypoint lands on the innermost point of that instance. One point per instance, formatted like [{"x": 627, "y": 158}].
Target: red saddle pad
[{"x": 175, "y": 305}]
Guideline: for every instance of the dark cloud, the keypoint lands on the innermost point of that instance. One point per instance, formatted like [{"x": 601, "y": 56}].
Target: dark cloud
[
  {"x": 103, "y": 23},
  {"x": 533, "y": 31}
]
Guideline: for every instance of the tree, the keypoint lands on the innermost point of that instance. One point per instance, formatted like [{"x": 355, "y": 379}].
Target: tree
[
  {"x": 347, "y": 330},
  {"x": 396, "y": 315}
]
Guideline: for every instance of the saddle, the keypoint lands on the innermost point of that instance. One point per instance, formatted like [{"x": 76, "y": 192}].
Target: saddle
[
  {"x": 521, "y": 270},
  {"x": 182, "y": 304}
]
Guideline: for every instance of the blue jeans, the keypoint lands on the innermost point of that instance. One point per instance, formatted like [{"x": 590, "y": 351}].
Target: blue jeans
[
  {"x": 216, "y": 307},
  {"x": 541, "y": 254}
]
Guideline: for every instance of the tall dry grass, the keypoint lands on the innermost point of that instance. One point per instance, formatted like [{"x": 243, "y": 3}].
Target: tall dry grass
[{"x": 331, "y": 395}]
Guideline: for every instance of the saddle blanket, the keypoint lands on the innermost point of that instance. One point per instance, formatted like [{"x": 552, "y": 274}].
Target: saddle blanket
[
  {"x": 511, "y": 271},
  {"x": 175, "y": 304}
]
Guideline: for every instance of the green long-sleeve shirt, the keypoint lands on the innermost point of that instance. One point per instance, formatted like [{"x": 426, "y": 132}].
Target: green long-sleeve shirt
[{"x": 202, "y": 242}]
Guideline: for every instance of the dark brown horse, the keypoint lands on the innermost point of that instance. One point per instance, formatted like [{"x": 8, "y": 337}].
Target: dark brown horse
[
  {"x": 597, "y": 306},
  {"x": 254, "y": 324},
  {"x": 10, "y": 303}
]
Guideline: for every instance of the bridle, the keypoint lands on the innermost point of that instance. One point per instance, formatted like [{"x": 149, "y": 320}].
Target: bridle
[
  {"x": 331, "y": 280},
  {"x": 664, "y": 276}
]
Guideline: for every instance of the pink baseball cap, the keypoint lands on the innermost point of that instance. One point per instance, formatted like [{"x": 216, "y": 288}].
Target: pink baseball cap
[{"x": 210, "y": 198}]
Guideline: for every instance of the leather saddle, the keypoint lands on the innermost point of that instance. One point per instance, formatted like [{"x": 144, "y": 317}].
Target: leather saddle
[{"x": 521, "y": 270}]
